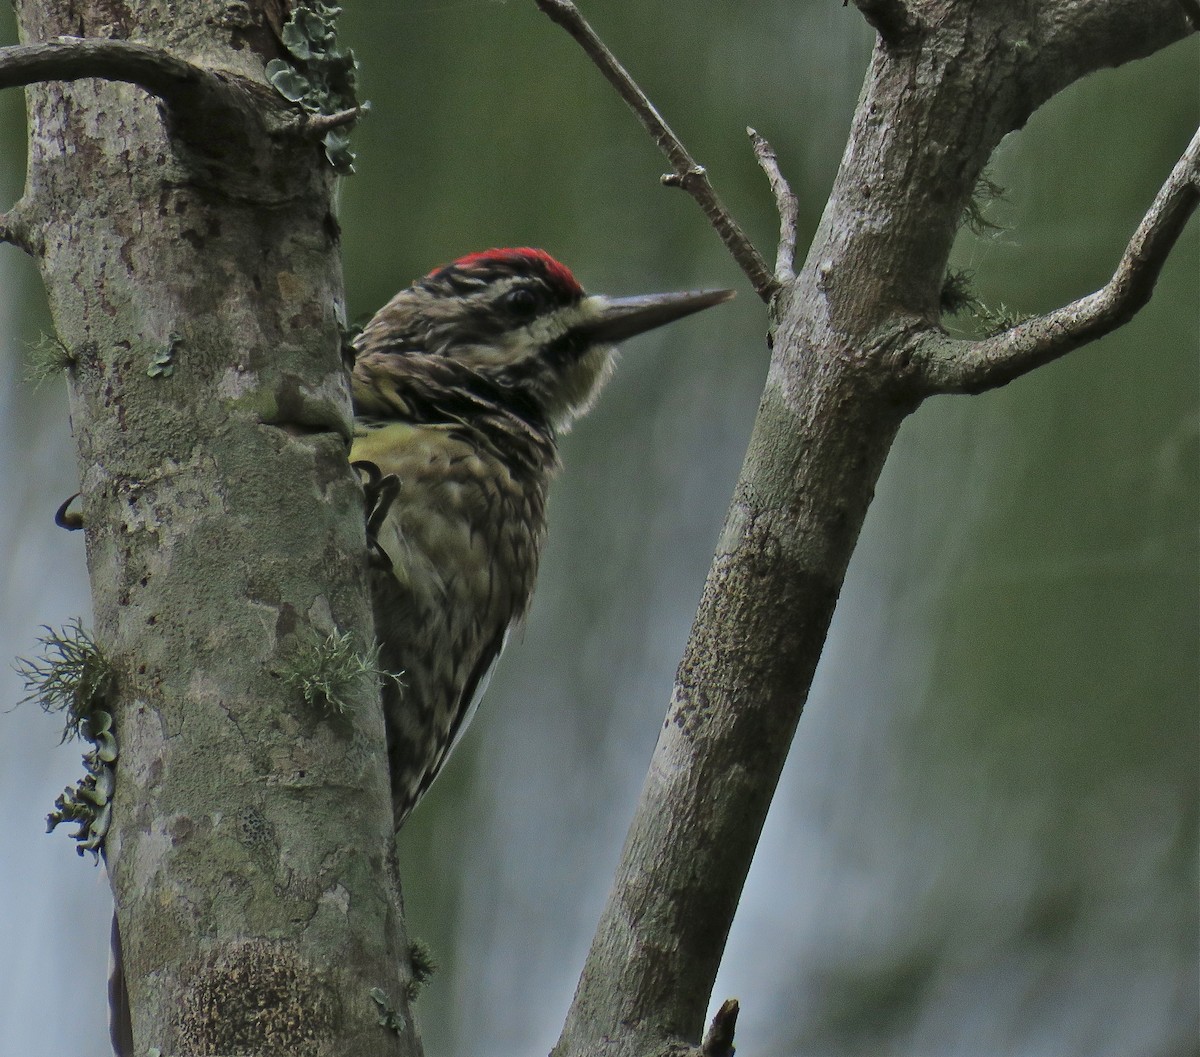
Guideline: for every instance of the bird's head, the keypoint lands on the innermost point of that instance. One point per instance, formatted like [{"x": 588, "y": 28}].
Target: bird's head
[{"x": 514, "y": 324}]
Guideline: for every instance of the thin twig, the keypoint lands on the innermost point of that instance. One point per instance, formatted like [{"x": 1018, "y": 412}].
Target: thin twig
[
  {"x": 9, "y": 230},
  {"x": 319, "y": 124},
  {"x": 686, "y": 172},
  {"x": 785, "y": 202},
  {"x": 946, "y": 365},
  {"x": 718, "y": 1042}
]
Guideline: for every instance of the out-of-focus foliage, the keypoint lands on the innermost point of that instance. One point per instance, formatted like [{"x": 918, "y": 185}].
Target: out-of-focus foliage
[{"x": 985, "y": 841}]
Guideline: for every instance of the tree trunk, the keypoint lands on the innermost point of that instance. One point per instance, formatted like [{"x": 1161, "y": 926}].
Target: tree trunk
[{"x": 191, "y": 259}]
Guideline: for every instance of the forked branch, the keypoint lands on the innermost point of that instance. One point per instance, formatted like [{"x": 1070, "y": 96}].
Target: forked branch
[
  {"x": 785, "y": 202},
  {"x": 946, "y": 365},
  {"x": 179, "y": 84},
  {"x": 686, "y": 171},
  {"x": 214, "y": 115}
]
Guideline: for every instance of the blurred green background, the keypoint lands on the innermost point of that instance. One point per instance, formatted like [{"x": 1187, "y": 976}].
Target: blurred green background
[{"x": 985, "y": 842}]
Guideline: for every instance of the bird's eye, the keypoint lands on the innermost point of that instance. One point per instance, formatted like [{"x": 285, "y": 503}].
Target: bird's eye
[{"x": 520, "y": 302}]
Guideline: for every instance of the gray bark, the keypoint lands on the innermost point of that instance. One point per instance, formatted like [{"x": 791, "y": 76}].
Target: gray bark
[
  {"x": 856, "y": 348},
  {"x": 250, "y": 851}
]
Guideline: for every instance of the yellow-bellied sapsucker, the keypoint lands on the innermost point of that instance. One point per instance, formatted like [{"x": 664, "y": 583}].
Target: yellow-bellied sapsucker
[{"x": 462, "y": 384}]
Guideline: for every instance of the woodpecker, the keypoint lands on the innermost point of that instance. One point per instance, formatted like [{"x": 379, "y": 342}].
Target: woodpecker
[{"x": 462, "y": 384}]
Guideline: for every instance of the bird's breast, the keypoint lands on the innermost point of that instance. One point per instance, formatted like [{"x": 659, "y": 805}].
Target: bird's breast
[{"x": 465, "y": 529}]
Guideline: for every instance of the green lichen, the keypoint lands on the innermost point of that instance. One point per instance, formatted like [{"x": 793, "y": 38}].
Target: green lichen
[
  {"x": 320, "y": 76},
  {"x": 162, "y": 363},
  {"x": 329, "y": 672},
  {"x": 389, "y": 1017},
  {"x": 72, "y": 677}
]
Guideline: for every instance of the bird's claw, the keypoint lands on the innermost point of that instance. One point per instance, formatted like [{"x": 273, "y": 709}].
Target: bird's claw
[
  {"x": 379, "y": 492},
  {"x": 63, "y": 517}
]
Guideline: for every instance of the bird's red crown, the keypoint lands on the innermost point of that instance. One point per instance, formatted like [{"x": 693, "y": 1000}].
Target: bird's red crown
[{"x": 519, "y": 259}]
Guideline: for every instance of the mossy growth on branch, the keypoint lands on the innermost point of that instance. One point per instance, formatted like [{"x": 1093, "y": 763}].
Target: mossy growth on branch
[
  {"x": 46, "y": 359},
  {"x": 996, "y": 319},
  {"x": 72, "y": 677},
  {"x": 958, "y": 293},
  {"x": 958, "y": 297},
  {"x": 975, "y": 218},
  {"x": 329, "y": 672},
  {"x": 423, "y": 967}
]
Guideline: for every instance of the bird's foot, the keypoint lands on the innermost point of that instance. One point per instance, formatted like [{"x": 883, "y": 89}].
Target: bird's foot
[{"x": 379, "y": 492}]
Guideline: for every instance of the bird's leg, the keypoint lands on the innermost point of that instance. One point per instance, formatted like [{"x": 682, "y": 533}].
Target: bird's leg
[{"x": 379, "y": 492}]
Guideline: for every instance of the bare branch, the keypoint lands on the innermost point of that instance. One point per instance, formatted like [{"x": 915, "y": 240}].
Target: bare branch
[
  {"x": 946, "y": 365},
  {"x": 719, "y": 1040},
  {"x": 687, "y": 173},
  {"x": 785, "y": 202},
  {"x": 15, "y": 231},
  {"x": 72, "y": 58},
  {"x": 228, "y": 124}
]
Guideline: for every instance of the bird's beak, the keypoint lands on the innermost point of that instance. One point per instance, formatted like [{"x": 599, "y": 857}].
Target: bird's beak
[{"x": 623, "y": 317}]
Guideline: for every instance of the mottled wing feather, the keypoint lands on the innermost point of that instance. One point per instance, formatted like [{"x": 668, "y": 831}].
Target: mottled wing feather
[
  {"x": 462, "y": 712},
  {"x": 461, "y": 540}
]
